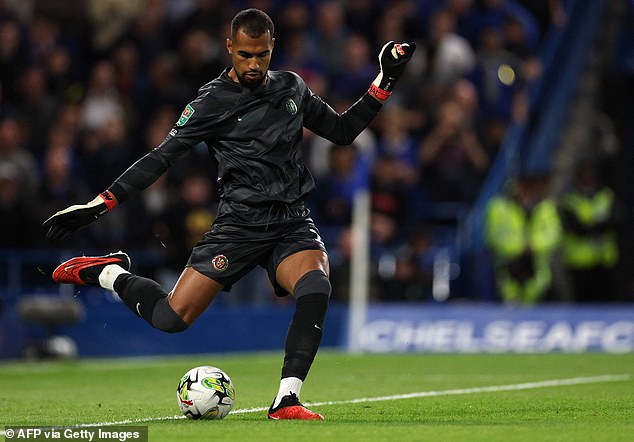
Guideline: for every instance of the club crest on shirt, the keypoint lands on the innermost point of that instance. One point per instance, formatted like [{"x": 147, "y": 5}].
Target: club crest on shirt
[
  {"x": 186, "y": 115},
  {"x": 290, "y": 106},
  {"x": 220, "y": 263}
]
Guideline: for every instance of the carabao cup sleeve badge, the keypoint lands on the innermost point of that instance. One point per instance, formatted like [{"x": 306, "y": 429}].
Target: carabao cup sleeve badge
[
  {"x": 186, "y": 115},
  {"x": 220, "y": 263}
]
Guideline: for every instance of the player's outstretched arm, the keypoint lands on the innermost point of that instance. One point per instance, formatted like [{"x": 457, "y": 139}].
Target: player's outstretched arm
[
  {"x": 60, "y": 226},
  {"x": 134, "y": 180},
  {"x": 392, "y": 60},
  {"x": 344, "y": 128}
]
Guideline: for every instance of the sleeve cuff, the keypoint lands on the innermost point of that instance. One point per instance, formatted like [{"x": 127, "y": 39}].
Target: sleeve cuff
[
  {"x": 120, "y": 194},
  {"x": 372, "y": 102}
]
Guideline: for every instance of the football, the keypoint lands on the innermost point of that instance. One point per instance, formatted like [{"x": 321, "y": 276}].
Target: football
[{"x": 205, "y": 393}]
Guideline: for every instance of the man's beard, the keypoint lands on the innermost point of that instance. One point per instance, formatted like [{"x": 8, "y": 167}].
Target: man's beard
[{"x": 251, "y": 83}]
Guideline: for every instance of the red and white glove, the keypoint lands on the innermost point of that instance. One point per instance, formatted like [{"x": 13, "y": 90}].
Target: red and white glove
[
  {"x": 63, "y": 223},
  {"x": 392, "y": 60}
]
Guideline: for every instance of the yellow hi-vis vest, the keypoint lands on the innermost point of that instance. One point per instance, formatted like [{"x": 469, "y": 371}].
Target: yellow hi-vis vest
[
  {"x": 509, "y": 231},
  {"x": 594, "y": 249}
]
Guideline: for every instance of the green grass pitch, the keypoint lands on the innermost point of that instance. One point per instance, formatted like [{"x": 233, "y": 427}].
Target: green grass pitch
[{"x": 473, "y": 397}]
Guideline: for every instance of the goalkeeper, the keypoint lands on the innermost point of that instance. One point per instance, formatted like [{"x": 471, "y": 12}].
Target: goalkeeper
[{"x": 251, "y": 120}]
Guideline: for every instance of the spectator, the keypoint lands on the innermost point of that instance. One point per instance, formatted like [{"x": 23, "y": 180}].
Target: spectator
[
  {"x": 199, "y": 60},
  {"x": 330, "y": 34},
  {"x": 67, "y": 126},
  {"x": 36, "y": 109},
  {"x": 389, "y": 205},
  {"x": 189, "y": 217},
  {"x": 516, "y": 40},
  {"x": 449, "y": 55},
  {"x": 206, "y": 14},
  {"x": 102, "y": 102},
  {"x": 104, "y": 155},
  {"x": 340, "y": 264},
  {"x": 466, "y": 18},
  {"x": 295, "y": 18},
  {"x": 590, "y": 247},
  {"x": 159, "y": 197},
  {"x": 357, "y": 69},
  {"x": 397, "y": 146},
  {"x": 60, "y": 79},
  {"x": 493, "y": 14},
  {"x": 464, "y": 93},
  {"x": 496, "y": 76},
  {"x": 125, "y": 60},
  {"x": 44, "y": 38},
  {"x": 59, "y": 183},
  {"x": 14, "y": 153},
  {"x": 446, "y": 58},
  {"x": 161, "y": 88},
  {"x": 499, "y": 79},
  {"x": 547, "y": 13},
  {"x": 13, "y": 57},
  {"x": 453, "y": 160},
  {"x": 522, "y": 231},
  {"x": 408, "y": 274},
  {"x": 299, "y": 56},
  {"x": 109, "y": 20},
  {"x": 348, "y": 173},
  {"x": 19, "y": 220},
  {"x": 361, "y": 16},
  {"x": 391, "y": 25}
]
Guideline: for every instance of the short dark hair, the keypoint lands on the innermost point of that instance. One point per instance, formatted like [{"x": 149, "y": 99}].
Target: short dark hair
[{"x": 253, "y": 21}]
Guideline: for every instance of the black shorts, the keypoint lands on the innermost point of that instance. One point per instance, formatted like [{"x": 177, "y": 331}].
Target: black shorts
[{"x": 228, "y": 252}]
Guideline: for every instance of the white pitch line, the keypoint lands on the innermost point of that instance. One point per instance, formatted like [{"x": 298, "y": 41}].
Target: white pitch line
[
  {"x": 488, "y": 389},
  {"x": 396, "y": 397}
]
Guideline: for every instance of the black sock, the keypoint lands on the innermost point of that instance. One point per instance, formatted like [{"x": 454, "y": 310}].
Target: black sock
[
  {"x": 147, "y": 299},
  {"x": 139, "y": 294},
  {"x": 304, "y": 335}
]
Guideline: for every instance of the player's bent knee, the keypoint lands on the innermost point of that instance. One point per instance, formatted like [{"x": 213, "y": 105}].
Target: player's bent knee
[
  {"x": 312, "y": 282},
  {"x": 166, "y": 319}
]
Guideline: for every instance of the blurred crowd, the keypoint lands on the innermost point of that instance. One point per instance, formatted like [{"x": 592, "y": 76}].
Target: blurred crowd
[{"x": 87, "y": 87}]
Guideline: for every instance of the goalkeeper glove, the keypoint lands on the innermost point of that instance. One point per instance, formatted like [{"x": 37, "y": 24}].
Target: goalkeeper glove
[
  {"x": 63, "y": 223},
  {"x": 392, "y": 60}
]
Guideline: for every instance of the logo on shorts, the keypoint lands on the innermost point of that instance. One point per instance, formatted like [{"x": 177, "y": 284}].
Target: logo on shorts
[
  {"x": 220, "y": 263},
  {"x": 290, "y": 106}
]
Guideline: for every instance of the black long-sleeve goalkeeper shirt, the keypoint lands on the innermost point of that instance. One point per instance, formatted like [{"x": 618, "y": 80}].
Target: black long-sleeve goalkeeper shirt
[{"x": 255, "y": 136}]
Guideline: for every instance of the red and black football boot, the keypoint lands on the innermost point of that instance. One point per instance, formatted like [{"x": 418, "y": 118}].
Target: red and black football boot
[
  {"x": 291, "y": 408},
  {"x": 85, "y": 270}
]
